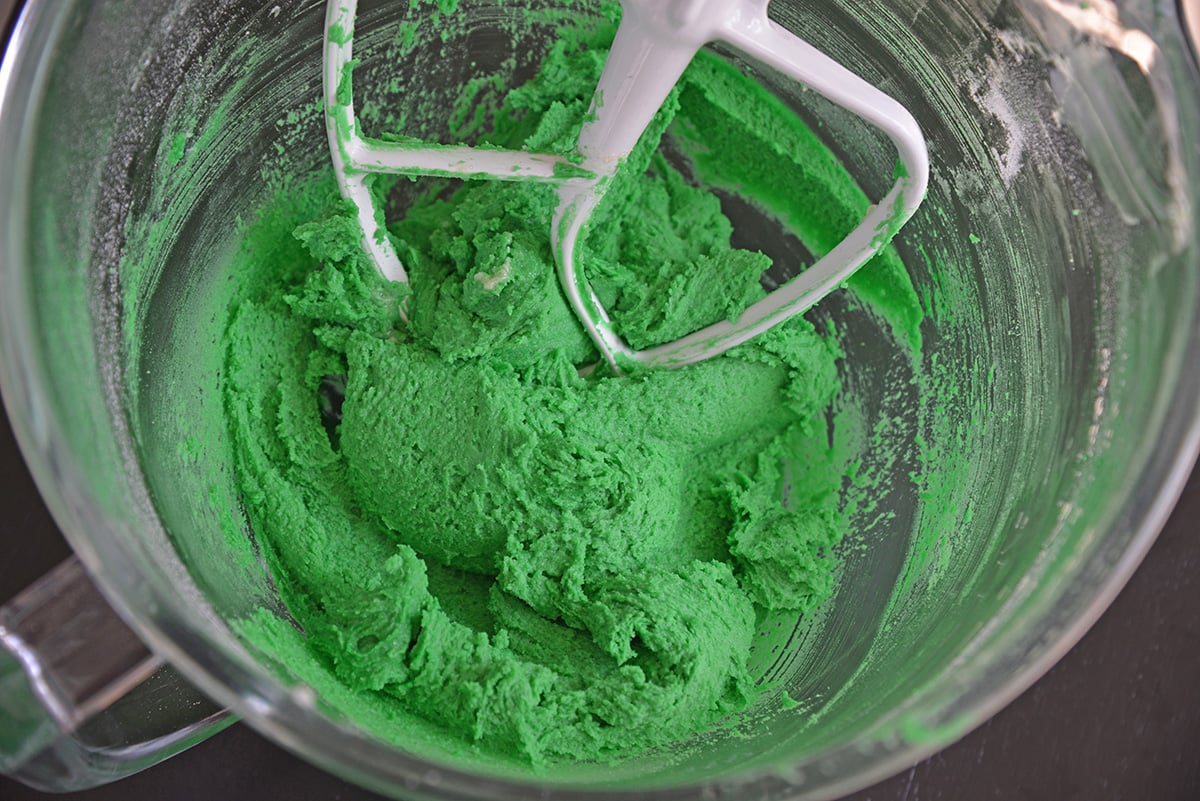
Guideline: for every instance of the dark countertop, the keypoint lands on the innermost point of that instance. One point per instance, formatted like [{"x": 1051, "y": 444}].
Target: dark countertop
[{"x": 1117, "y": 718}]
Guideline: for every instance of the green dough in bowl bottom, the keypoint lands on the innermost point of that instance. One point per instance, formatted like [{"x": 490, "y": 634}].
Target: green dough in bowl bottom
[{"x": 543, "y": 568}]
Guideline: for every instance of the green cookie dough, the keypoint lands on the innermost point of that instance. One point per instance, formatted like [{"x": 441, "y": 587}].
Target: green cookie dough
[{"x": 549, "y": 567}]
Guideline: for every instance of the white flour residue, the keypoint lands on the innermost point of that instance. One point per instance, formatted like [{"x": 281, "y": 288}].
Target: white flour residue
[
  {"x": 1005, "y": 92},
  {"x": 998, "y": 106}
]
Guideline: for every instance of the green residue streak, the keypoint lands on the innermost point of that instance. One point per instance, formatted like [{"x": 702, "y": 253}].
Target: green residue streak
[
  {"x": 178, "y": 148},
  {"x": 567, "y": 170},
  {"x": 545, "y": 567}
]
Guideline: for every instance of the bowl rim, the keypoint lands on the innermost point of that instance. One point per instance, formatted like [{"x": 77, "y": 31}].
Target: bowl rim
[{"x": 153, "y": 607}]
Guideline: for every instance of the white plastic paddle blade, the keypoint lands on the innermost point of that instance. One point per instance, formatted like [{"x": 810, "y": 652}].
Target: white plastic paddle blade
[
  {"x": 355, "y": 157},
  {"x": 655, "y": 42}
]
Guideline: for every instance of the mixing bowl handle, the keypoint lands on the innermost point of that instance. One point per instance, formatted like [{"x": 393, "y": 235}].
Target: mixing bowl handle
[{"x": 82, "y": 700}]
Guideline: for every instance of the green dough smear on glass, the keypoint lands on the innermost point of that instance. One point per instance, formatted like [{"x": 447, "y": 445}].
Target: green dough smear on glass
[{"x": 546, "y": 567}]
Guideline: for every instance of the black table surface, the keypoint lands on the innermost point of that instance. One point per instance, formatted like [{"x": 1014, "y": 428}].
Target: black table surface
[{"x": 1117, "y": 718}]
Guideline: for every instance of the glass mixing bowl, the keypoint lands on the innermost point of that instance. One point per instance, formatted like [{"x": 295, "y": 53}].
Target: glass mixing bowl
[{"x": 1019, "y": 468}]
